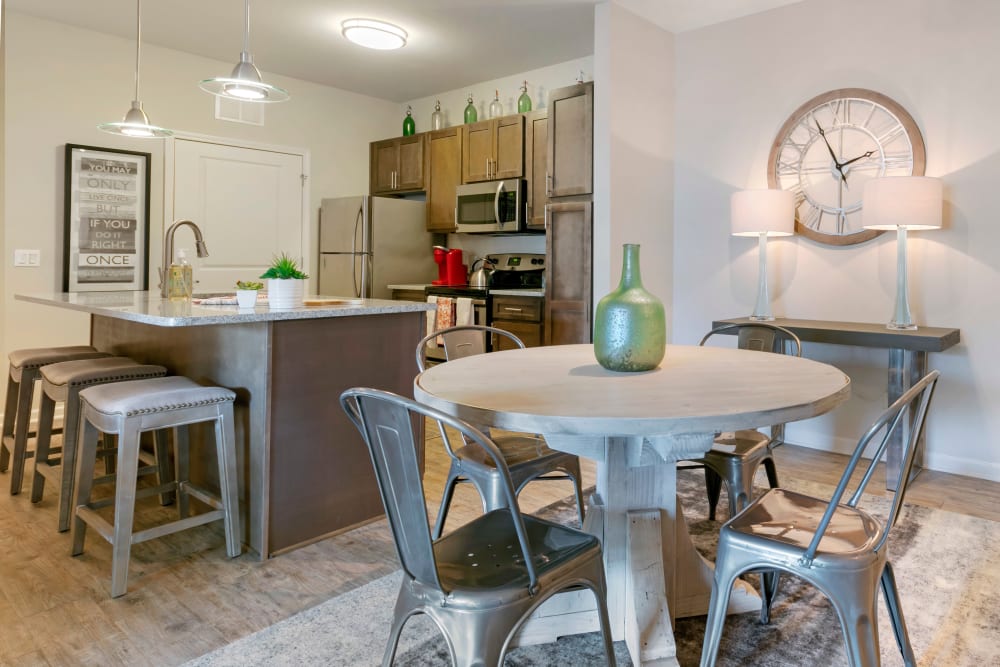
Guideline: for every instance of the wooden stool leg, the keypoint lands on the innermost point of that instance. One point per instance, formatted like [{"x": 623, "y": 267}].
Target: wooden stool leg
[
  {"x": 45, "y": 415},
  {"x": 87, "y": 453},
  {"x": 25, "y": 390},
  {"x": 225, "y": 447},
  {"x": 125, "y": 483},
  {"x": 164, "y": 475},
  {"x": 182, "y": 460},
  {"x": 9, "y": 412}
]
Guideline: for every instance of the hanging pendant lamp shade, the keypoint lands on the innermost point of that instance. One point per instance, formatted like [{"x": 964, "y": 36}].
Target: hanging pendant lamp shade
[
  {"x": 136, "y": 123},
  {"x": 244, "y": 83}
]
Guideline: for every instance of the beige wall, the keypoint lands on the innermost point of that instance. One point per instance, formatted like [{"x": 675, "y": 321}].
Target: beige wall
[
  {"x": 633, "y": 149},
  {"x": 737, "y": 83}
]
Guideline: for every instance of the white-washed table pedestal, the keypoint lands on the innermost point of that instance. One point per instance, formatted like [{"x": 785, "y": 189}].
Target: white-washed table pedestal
[{"x": 654, "y": 573}]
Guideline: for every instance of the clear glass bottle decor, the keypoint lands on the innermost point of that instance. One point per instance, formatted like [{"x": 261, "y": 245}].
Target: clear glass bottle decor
[
  {"x": 471, "y": 115},
  {"x": 409, "y": 125},
  {"x": 437, "y": 118},
  {"x": 630, "y": 325},
  {"x": 496, "y": 108},
  {"x": 524, "y": 102}
]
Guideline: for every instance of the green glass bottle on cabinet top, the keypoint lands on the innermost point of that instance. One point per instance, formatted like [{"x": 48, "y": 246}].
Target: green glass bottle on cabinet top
[
  {"x": 630, "y": 325},
  {"x": 471, "y": 115},
  {"x": 524, "y": 102},
  {"x": 409, "y": 125}
]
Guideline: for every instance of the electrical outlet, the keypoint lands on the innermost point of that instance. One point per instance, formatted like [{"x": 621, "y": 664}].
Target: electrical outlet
[{"x": 27, "y": 258}]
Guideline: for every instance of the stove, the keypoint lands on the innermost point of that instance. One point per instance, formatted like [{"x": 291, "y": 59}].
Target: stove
[{"x": 512, "y": 271}]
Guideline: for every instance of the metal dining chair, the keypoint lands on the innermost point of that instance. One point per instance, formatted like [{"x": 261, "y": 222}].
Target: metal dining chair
[
  {"x": 837, "y": 547},
  {"x": 527, "y": 456},
  {"x": 735, "y": 456},
  {"x": 481, "y": 581}
]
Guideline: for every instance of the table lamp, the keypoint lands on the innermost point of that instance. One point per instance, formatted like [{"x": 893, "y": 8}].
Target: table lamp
[
  {"x": 902, "y": 203},
  {"x": 762, "y": 213}
]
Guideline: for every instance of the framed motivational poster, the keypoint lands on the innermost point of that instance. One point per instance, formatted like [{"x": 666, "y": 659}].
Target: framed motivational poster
[{"x": 106, "y": 244}]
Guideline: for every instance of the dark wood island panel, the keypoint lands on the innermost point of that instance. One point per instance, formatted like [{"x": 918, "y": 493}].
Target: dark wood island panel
[{"x": 304, "y": 469}]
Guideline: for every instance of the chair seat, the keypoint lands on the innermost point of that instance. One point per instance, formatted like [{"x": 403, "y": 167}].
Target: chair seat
[
  {"x": 484, "y": 556},
  {"x": 786, "y": 521},
  {"x": 740, "y": 444}
]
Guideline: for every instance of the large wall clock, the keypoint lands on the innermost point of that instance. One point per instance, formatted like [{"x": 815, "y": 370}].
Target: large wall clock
[{"x": 829, "y": 147}]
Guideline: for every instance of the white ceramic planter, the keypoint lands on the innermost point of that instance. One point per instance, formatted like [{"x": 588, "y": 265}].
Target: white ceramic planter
[
  {"x": 283, "y": 294},
  {"x": 246, "y": 298}
]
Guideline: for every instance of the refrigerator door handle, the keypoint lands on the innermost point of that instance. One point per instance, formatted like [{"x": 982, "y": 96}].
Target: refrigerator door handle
[{"x": 358, "y": 223}]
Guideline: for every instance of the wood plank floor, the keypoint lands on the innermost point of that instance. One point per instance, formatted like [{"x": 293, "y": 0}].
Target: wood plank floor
[{"x": 186, "y": 598}]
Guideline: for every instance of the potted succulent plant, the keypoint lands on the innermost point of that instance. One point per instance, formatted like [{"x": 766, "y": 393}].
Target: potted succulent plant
[
  {"x": 246, "y": 292},
  {"x": 285, "y": 283}
]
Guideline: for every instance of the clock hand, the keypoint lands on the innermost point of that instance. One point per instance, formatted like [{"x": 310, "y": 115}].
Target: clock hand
[
  {"x": 837, "y": 164},
  {"x": 860, "y": 157}
]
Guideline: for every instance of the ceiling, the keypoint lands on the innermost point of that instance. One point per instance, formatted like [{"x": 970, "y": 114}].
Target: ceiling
[{"x": 452, "y": 43}]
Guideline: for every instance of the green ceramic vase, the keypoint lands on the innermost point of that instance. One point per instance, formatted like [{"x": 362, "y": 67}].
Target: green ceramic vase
[{"x": 630, "y": 327}]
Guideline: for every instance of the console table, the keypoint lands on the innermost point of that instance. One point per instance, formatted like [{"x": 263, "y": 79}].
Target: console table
[{"x": 907, "y": 362}]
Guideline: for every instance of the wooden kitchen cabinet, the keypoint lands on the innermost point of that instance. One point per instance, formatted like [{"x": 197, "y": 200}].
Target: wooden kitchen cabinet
[
  {"x": 571, "y": 140},
  {"x": 397, "y": 165},
  {"x": 536, "y": 146},
  {"x": 520, "y": 315},
  {"x": 444, "y": 174},
  {"x": 568, "y": 272},
  {"x": 493, "y": 149}
]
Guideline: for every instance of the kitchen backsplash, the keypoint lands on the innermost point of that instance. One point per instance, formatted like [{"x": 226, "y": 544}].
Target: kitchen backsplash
[{"x": 479, "y": 245}]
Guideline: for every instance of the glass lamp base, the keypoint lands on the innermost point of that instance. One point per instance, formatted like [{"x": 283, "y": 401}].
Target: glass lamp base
[
  {"x": 762, "y": 318},
  {"x": 896, "y": 326}
]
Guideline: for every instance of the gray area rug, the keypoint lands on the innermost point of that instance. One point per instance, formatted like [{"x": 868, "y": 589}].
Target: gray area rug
[{"x": 947, "y": 566}]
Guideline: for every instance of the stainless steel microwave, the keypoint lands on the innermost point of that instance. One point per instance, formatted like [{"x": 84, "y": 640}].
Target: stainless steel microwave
[{"x": 490, "y": 207}]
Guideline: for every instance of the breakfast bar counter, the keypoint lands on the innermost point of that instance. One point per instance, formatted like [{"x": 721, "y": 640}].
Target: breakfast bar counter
[{"x": 304, "y": 472}]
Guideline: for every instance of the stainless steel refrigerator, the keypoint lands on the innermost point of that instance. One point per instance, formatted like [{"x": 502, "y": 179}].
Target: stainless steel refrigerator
[{"x": 367, "y": 243}]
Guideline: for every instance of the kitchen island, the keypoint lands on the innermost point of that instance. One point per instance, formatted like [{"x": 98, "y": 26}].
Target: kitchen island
[{"x": 304, "y": 470}]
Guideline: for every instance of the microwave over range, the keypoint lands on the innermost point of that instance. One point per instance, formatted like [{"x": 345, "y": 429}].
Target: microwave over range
[{"x": 490, "y": 207}]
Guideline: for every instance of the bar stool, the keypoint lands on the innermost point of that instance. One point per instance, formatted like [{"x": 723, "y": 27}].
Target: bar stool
[
  {"x": 24, "y": 365},
  {"x": 63, "y": 382},
  {"x": 127, "y": 409}
]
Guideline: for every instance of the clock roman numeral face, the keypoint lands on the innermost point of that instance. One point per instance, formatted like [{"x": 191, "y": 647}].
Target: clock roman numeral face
[{"x": 828, "y": 149}]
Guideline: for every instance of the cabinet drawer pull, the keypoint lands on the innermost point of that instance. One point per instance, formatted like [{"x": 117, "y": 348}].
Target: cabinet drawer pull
[{"x": 512, "y": 310}]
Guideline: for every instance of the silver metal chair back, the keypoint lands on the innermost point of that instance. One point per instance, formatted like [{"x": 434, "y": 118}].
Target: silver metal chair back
[
  {"x": 837, "y": 547},
  {"x": 463, "y": 340},
  {"x": 527, "y": 456},
  {"x": 478, "y": 609},
  {"x": 760, "y": 336}
]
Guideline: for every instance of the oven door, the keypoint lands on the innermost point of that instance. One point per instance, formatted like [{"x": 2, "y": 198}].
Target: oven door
[{"x": 480, "y": 313}]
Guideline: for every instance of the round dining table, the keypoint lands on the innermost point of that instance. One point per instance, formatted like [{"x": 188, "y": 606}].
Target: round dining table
[{"x": 635, "y": 426}]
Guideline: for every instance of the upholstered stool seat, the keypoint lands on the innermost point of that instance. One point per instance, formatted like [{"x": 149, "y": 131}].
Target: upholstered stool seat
[
  {"x": 127, "y": 409},
  {"x": 24, "y": 370},
  {"x": 62, "y": 382}
]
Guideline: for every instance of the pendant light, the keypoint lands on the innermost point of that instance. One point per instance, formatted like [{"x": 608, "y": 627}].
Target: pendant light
[
  {"x": 244, "y": 84},
  {"x": 136, "y": 123}
]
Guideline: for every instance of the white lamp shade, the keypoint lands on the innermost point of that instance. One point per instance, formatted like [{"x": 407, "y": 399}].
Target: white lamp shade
[
  {"x": 910, "y": 202},
  {"x": 753, "y": 212}
]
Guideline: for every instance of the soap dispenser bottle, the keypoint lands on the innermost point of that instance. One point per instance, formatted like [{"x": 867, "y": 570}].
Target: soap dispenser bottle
[{"x": 180, "y": 281}]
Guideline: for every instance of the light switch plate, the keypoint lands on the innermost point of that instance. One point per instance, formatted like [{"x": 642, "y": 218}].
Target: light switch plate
[{"x": 27, "y": 258}]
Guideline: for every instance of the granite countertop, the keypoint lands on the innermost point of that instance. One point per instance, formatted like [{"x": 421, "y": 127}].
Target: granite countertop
[
  {"x": 150, "y": 308},
  {"x": 538, "y": 293}
]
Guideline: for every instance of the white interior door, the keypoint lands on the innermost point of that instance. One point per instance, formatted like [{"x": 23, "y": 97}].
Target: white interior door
[{"x": 248, "y": 204}]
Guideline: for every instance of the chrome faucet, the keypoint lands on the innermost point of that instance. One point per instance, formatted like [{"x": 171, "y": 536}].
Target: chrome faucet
[{"x": 168, "y": 249}]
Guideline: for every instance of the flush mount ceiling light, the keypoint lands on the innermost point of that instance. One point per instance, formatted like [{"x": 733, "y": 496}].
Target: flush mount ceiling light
[
  {"x": 136, "y": 123},
  {"x": 374, "y": 34},
  {"x": 244, "y": 83}
]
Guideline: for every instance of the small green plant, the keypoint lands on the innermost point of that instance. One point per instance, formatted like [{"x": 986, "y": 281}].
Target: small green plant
[
  {"x": 284, "y": 267},
  {"x": 249, "y": 284}
]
